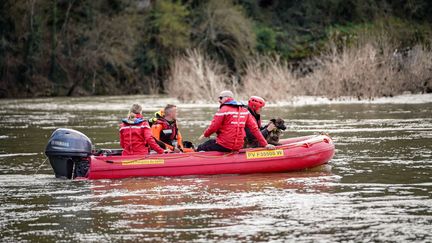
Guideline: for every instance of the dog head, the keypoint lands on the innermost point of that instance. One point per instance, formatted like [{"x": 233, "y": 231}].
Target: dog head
[
  {"x": 279, "y": 123},
  {"x": 275, "y": 134}
]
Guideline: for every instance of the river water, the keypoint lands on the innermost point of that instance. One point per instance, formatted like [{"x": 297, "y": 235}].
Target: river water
[{"x": 378, "y": 187}]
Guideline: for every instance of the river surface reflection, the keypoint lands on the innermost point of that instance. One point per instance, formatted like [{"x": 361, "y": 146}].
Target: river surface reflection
[{"x": 377, "y": 188}]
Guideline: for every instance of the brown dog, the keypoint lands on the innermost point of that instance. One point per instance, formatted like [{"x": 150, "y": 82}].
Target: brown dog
[{"x": 274, "y": 135}]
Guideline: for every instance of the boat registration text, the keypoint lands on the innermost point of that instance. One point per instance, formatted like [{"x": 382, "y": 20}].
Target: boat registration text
[{"x": 264, "y": 154}]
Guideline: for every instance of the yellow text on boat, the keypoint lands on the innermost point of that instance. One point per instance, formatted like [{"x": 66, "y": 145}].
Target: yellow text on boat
[
  {"x": 143, "y": 162},
  {"x": 264, "y": 154}
]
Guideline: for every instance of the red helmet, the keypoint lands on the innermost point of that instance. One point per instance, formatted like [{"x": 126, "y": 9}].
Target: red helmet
[{"x": 256, "y": 102}]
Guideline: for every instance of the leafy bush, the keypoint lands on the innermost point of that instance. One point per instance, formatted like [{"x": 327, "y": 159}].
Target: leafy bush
[
  {"x": 266, "y": 39},
  {"x": 165, "y": 33},
  {"x": 223, "y": 30}
]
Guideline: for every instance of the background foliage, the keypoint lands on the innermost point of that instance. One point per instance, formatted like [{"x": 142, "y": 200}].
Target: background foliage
[{"x": 98, "y": 47}]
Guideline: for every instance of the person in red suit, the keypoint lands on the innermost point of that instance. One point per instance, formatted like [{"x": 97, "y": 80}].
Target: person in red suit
[
  {"x": 229, "y": 125},
  {"x": 135, "y": 134},
  {"x": 255, "y": 104}
]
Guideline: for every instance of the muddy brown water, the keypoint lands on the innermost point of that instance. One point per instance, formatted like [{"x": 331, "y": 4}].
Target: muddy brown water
[{"x": 378, "y": 187}]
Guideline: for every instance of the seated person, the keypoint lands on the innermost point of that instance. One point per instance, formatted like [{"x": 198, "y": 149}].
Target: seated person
[
  {"x": 229, "y": 125},
  {"x": 165, "y": 130},
  {"x": 135, "y": 134},
  {"x": 255, "y": 104}
]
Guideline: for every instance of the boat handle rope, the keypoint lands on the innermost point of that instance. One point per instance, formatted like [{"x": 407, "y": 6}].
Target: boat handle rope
[
  {"x": 291, "y": 145},
  {"x": 175, "y": 157}
]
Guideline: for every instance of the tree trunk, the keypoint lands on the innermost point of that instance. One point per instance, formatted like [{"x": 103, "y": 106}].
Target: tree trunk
[{"x": 53, "y": 47}]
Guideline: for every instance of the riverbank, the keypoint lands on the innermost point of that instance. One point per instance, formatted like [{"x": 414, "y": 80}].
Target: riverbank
[{"x": 332, "y": 48}]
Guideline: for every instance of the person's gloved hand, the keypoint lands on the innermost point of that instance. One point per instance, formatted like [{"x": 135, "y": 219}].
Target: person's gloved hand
[
  {"x": 201, "y": 137},
  {"x": 270, "y": 146},
  {"x": 271, "y": 126}
]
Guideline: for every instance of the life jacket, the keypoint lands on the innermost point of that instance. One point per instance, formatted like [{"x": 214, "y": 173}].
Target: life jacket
[
  {"x": 232, "y": 102},
  {"x": 169, "y": 130},
  {"x": 135, "y": 137}
]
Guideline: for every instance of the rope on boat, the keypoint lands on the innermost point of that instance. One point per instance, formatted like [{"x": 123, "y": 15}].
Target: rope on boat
[
  {"x": 175, "y": 157},
  {"x": 285, "y": 146},
  {"x": 37, "y": 170},
  {"x": 212, "y": 156}
]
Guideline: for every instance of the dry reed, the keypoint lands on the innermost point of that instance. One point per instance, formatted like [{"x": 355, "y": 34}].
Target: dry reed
[
  {"x": 269, "y": 77},
  {"x": 372, "y": 69},
  {"x": 194, "y": 77}
]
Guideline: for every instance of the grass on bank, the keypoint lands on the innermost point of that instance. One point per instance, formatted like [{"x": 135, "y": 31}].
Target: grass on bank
[
  {"x": 367, "y": 71},
  {"x": 384, "y": 58}
]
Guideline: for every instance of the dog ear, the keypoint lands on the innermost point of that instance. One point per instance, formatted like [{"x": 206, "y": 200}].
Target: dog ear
[
  {"x": 273, "y": 120},
  {"x": 280, "y": 120}
]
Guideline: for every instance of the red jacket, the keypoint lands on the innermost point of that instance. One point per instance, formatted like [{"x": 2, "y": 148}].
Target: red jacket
[
  {"x": 135, "y": 137},
  {"x": 229, "y": 123}
]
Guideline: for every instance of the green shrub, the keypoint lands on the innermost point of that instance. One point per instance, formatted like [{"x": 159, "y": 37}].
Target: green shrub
[
  {"x": 223, "y": 30},
  {"x": 165, "y": 33},
  {"x": 266, "y": 39}
]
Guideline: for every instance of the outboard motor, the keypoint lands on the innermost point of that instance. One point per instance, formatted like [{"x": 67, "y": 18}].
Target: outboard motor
[{"x": 68, "y": 149}]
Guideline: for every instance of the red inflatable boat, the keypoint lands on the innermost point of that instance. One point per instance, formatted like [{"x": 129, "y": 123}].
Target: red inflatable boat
[
  {"x": 70, "y": 155},
  {"x": 295, "y": 154}
]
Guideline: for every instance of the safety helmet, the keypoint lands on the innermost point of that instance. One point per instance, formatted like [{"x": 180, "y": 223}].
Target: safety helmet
[
  {"x": 158, "y": 114},
  {"x": 256, "y": 102}
]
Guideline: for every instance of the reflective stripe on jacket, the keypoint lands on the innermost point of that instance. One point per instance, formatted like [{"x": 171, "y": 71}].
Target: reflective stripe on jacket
[
  {"x": 229, "y": 125},
  {"x": 136, "y": 138}
]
